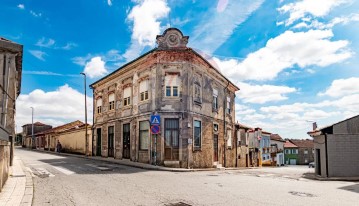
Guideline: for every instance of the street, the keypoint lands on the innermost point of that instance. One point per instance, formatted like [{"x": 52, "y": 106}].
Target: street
[{"x": 60, "y": 180}]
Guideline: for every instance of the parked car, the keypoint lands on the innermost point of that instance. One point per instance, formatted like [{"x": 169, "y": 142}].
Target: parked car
[{"x": 311, "y": 165}]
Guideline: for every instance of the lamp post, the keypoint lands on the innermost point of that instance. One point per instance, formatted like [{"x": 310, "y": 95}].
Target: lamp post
[
  {"x": 86, "y": 141},
  {"x": 33, "y": 146}
]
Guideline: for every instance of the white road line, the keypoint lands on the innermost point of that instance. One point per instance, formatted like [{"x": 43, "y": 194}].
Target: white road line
[
  {"x": 64, "y": 170},
  {"x": 43, "y": 171}
]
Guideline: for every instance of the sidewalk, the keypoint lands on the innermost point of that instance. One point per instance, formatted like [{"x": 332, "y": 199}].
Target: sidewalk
[
  {"x": 18, "y": 189},
  {"x": 138, "y": 164}
]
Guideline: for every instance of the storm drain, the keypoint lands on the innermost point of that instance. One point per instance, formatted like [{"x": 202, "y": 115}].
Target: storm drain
[
  {"x": 178, "y": 204},
  {"x": 301, "y": 194}
]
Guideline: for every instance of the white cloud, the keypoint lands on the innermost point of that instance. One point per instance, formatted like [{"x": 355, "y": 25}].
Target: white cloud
[
  {"x": 222, "y": 5},
  {"x": 69, "y": 46},
  {"x": 38, "y": 54},
  {"x": 21, "y": 6},
  {"x": 260, "y": 94},
  {"x": 286, "y": 51},
  {"x": 146, "y": 25},
  {"x": 316, "y": 8},
  {"x": 315, "y": 24},
  {"x": 35, "y": 14},
  {"x": 95, "y": 68},
  {"x": 109, "y": 2},
  {"x": 45, "y": 43},
  {"x": 342, "y": 87},
  {"x": 54, "y": 107},
  {"x": 216, "y": 27}
]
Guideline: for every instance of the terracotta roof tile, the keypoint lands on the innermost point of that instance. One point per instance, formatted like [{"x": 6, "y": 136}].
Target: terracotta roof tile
[
  {"x": 288, "y": 144},
  {"x": 307, "y": 143}
]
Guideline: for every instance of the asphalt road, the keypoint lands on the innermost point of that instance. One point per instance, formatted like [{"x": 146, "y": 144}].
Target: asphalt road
[{"x": 62, "y": 180}]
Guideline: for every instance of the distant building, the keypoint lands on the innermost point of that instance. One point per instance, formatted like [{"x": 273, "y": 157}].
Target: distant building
[
  {"x": 290, "y": 153},
  {"x": 265, "y": 146},
  {"x": 27, "y": 133},
  {"x": 194, "y": 100},
  {"x": 10, "y": 87},
  {"x": 337, "y": 149},
  {"x": 242, "y": 135},
  {"x": 277, "y": 149},
  {"x": 254, "y": 153},
  {"x": 305, "y": 150}
]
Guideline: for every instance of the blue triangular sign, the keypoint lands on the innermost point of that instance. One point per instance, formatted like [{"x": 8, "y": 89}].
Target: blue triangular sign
[{"x": 155, "y": 121}]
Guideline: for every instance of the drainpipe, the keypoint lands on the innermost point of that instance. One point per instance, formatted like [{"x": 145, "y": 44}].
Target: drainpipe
[
  {"x": 224, "y": 124},
  {"x": 93, "y": 120},
  {"x": 236, "y": 134},
  {"x": 326, "y": 154}
]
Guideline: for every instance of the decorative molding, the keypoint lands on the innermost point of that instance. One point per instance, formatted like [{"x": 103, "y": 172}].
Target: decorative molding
[{"x": 172, "y": 38}]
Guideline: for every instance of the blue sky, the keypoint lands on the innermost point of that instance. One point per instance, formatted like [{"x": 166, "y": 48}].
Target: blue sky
[{"x": 293, "y": 60}]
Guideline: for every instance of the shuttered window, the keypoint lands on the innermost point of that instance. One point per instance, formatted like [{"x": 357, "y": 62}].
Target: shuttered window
[
  {"x": 99, "y": 105},
  {"x": 111, "y": 100},
  {"x": 144, "y": 90},
  {"x": 127, "y": 96}
]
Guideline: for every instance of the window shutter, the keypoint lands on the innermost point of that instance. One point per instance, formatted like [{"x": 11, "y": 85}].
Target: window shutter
[
  {"x": 144, "y": 86},
  {"x": 99, "y": 102},
  {"x": 215, "y": 92},
  {"x": 111, "y": 97},
  {"x": 172, "y": 80},
  {"x": 127, "y": 92}
]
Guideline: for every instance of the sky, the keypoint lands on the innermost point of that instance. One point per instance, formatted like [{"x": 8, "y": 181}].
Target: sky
[{"x": 295, "y": 61}]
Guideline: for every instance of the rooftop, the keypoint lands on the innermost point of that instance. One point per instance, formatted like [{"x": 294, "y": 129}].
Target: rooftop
[
  {"x": 306, "y": 143},
  {"x": 288, "y": 144}
]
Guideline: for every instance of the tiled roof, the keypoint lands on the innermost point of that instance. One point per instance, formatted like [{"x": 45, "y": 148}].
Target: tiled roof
[
  {"x": 276, "y": 137},
  {"x": 65, "y": 127},
  {"x": 243, "y": 126},
  {"x": 305, "y": 143},
  {"x": 288, "y": 144}
]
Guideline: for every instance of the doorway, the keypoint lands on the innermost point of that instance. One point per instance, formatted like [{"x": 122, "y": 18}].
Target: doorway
[
  {"x": 110, "y": 141},
  {"x": 126, "y": 141},
  {"x": 318, "y": 166},
  {"x": 215, "y": 147},
  {"x": 98, "y": 142},
  {"x": 172, "y": 139}
]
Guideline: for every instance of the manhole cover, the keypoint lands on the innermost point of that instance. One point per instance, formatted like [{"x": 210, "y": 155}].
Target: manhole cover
[
  {"x": 178, "y": 204},
  {"x": 301, "y": 194}
]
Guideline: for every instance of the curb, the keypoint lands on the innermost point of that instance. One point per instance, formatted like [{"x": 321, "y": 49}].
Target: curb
[
  {"x": 145, "y": 167},
  {"x": 29, "y": 187}
]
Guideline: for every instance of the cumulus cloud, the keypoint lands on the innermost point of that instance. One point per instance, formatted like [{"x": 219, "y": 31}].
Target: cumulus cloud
[
  {"x": 286, "y": 51},
  {"x": 61, "y": 106},
  {"x": 260, "y": 94},
  {"x": 317, "y": 8},
  {"x": 45, "y": 43},
  {"x": 315, "y": 24},
  {"x": 109, "y": 2},
  {"x": 38, "y": 54},
  {"x": 342, "y": 87},
  {"x": 69, "y": 46},
  {"x": 95, "y": 68},
  {"x": 146, "y": 25}
]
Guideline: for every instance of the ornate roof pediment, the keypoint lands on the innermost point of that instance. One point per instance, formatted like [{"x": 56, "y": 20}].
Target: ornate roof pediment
[{"x": 172, "y": 38}]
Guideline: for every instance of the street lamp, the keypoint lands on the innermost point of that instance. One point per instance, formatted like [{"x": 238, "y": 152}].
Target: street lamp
[
  {"x": 86, "y": 141},
  {"x": 33, "y": 146}
]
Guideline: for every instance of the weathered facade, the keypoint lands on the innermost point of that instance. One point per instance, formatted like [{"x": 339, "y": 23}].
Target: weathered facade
[
  {"x": 195, "y": 102},
  {"x": 39, "y": 128},
  {"x": 73, "y": 140},
  {"x": 242, "y": 135},
  {"x": 10, "y": 84},
  {"x": 290, "y": 153},
  {"x": 277, "y": 149},
  {"x": 336, "y": 149},
  {"x": 265, "y": 147},
  {"x": 305, "y": 150}
]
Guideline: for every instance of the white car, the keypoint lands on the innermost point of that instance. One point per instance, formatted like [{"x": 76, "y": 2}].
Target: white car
[{"x": 312, "y": 165}]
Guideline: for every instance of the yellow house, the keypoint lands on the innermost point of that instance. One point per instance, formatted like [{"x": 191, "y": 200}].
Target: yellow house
[{"x": 73, "y": 140}]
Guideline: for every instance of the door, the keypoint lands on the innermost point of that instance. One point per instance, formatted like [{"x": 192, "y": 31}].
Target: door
[
  {"x": 98, "y": 142},
  {"x": 292, "y": 161},
  {"x": 215, "y": 147},
  {"x": 126, "y": 141},
  {"x": 171, "y": 139},
  {"x": 110, "y": 141},
  {"x": 318, "y": 166}
]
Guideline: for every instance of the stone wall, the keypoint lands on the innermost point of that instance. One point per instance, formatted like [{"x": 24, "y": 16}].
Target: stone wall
[{"x": 4, "y": 162}]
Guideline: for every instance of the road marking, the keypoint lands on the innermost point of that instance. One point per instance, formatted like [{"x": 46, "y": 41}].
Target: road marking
[
  {"x": 64, "y": 170},
  {"x": 44, "y": 172}
]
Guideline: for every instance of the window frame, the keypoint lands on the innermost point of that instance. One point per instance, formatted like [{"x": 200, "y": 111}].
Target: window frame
[
  {"x": 197, "y": 96},
  {"x": 140, "y": 135},
  {"x": 127, "y": 100},
  {"x": 228, "y": 105},
  {"x": 111, "y": 103},
  {"x": 144, "y": 94},
  {"x": 197, "y": 147}
]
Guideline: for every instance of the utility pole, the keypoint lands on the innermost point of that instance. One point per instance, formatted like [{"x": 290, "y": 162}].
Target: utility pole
[
  {"x": 86, "y": 140},
  {"x": 33, "y": 145}
]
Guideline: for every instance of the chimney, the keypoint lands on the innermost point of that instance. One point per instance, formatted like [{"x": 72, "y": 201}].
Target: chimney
[{"x": 314, "y": 126}]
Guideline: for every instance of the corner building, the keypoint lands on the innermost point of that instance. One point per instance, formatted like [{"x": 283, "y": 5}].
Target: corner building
[{"x": 194, "y": 100}]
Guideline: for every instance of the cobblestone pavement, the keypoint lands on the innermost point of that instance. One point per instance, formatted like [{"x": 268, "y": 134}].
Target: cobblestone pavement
[{"x": 62, "y": 180}]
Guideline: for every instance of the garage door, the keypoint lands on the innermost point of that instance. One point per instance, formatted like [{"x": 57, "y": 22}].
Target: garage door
[{"x": 292, "y": 161}]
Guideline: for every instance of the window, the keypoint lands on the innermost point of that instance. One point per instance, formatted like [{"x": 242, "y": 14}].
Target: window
[
  {"x": 215, "y": 127},
  {"x": 171, "y": 133},
  {"x": 99, "y": 105},
  {"x": 111, "y": 100},
  {"x": 197, "y": 134},
  {"x": 287, "y": 151},
  {"x": 228, "y": 105},
  {"x": 229, "y": 140},
  {"x": 306, "y": 151},
  {"x": 197, "y": 92},
  {"x": 215, "y": 99},
  {"x": 294, "y": 151},
  {"x": 172, "y": 85},
  {"x": 127, "y": 96},
  {"x": 305, "y": 161},
  {"x": 144, "y": 90},
  {"x": 144, "y": 135}
]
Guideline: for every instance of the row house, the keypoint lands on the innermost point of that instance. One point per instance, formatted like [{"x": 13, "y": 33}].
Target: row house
[
  {"x": 194, "y": 100},
  {"x": 305, "y": 150},
  {"x": 265, "y": 147},
  {"x": 37, "y": 129},
  {"x": 277, "y": 149},
  {"x": 290, "y": 153}
]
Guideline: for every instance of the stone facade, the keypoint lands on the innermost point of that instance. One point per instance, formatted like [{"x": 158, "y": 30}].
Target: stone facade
[
  {"x": 10, "y": 83},
  {"x": 39, "y": 128},
  {"x": 180, "y": 85}
]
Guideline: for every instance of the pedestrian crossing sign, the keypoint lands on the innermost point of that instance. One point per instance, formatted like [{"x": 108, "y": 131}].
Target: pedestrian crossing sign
[{"x": 155, "y": 120}]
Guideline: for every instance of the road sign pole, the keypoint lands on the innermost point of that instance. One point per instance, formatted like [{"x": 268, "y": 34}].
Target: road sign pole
[{"x": 155, "y": 150}]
